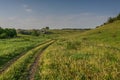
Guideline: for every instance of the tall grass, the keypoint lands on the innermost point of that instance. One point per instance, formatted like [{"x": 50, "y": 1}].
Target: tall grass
[
  {"x": 87, "y": 56},
  {"x": 20, "y": 69},
  {"x": 10, "y": 48}
]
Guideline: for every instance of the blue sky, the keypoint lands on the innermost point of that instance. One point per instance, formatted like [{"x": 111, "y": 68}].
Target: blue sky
[{"x": 29, "y": 14}]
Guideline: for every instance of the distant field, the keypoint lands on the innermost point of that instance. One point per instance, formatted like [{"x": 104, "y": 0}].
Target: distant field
[{"x": 63, "y": 55}]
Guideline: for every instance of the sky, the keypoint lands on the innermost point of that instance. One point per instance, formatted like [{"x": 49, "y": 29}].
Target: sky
[{"x": 57, "y": 14}]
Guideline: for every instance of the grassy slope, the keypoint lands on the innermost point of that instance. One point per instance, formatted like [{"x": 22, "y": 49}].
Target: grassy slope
[
  {"x": 105, "y": 33},
  {"x": 95, "y": 55}
]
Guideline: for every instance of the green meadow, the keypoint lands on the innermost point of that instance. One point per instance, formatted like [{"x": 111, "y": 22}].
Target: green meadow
[
  {"x": 91, "y": 55},
  {"x": 65, "y": 55}
]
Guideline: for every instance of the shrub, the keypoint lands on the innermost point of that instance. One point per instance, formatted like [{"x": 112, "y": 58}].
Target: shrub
[{"x": 7, "y": 33}]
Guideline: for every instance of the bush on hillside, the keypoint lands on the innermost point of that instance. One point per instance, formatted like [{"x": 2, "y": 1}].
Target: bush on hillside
[
  {"x": 118, "y": 16},
  {"x": 110, "y": 20},
  {"x": 7, "y": 33}
]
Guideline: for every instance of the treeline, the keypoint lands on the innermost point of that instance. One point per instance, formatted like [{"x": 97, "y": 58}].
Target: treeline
[
  {"x": 111, "y": 20},
  {"x": 7, "y": 33},
  {"x": 34, "y": 32}
]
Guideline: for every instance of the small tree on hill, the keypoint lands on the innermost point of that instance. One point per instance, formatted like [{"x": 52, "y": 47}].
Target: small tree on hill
[
  {"x": 118, "y": 16},
  {"x": 45, "y": 30},
  {"x": 110, "y": 20}
]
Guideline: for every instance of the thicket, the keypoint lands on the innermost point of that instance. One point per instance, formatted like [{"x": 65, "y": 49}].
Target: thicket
[
  {"x": 7, "y": 33},
  {"x": 112, "y": 19},
  {"x": 34, "y": 32}
]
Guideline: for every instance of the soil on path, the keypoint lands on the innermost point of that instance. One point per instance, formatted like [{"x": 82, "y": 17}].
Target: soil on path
[
  {"x": 35, "y": 64},
  {"x": 12, "y": 61}
]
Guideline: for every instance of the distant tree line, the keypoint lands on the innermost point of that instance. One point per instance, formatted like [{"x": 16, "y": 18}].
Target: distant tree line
[
  {"x": 7, "y": 33},
  {"x": 34, "y": 32},
  {"x": 111, "y": 20}
]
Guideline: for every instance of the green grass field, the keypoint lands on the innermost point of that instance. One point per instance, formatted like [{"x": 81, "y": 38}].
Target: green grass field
[
  {"x": 75, "y": 55},
  {"x": 92, "y": 55},
  {"x": 10, "y": 48}
]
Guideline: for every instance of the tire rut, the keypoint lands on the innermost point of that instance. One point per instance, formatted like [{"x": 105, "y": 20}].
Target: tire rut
[
  {"x": 12, "y": 61},
  {"x": 8, "y": 64},
  {"x": 34, "y": 66}
]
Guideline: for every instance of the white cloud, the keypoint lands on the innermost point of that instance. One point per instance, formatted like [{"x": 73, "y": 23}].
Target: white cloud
[
  {"x": 25, "y": 5},
  {"x": 28, "y": 10}
]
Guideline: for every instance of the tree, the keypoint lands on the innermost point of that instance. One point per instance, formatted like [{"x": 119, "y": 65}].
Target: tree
[
  {"x": 110, "y": 20},
  {"x": 1, "y": 30},
  {"x": 3, "y": 35},
  {"x": 11, "y": 32},
  {"x": 118, "y": 16},
  {"x": 7, "y": 33},
  {"x": 47, "y": 28}
]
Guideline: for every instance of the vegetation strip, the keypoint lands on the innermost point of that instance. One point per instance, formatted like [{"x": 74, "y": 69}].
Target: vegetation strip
[
  {"x": 19, "y": 70},
  {"x": 8, "y": 64},
  {"x": 34, "y": 66},
  {"x": 11, "y": 62}
]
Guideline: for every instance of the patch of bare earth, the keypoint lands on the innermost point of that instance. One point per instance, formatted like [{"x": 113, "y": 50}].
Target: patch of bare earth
[{"x": 34, "y": 66}]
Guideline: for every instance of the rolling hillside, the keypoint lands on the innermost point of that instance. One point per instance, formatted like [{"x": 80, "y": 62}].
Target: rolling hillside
[
  {"x": 74, "y": 55},
  {"x": 108, "y": 32},
  {"x": 92, "y": 55}
]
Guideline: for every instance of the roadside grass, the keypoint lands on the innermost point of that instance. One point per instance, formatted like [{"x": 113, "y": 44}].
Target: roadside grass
[
  {"x": 20, "y": 69},
  {"x": 10, "y": 48},
  {"x": 93, "y": 55}
]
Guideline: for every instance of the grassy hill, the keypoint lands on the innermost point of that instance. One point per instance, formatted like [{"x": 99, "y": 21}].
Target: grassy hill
[
  {"x": 108, "y": 35},
  {"x": 108, "y": 32},
  {"x": 75, "y": 55},
  {"x": 92, "y": 55}
]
